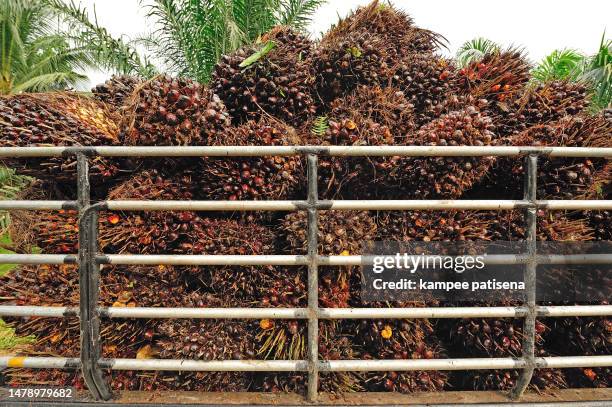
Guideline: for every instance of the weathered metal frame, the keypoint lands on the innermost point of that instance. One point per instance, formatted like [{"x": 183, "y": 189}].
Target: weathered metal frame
[{"x": 89, "y": 261}]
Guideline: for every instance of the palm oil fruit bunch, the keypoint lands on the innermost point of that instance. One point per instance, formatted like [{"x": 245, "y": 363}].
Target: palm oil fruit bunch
[
  {"x": 116, "y": 90},
  {"x": 427, "y": 81},
  {"x": 58, "y": 119},
  {"x": 432, "y": 226},
  {"x": 52, "y": 232},
  {"x": 445, "y": 177},
  {"x": 499, "y": 76},
  {"x": 558, "y": 177},
  {"x": 369, "y": 116},
  {"x": 41, "y": 285},
  {"x": 252, "y": 178},
  {"x": 399, "y": 339},
  {"x": 272, "y": 78},
  {"x": 505, "y": 380},
  {"x": 172, "y": 111}
]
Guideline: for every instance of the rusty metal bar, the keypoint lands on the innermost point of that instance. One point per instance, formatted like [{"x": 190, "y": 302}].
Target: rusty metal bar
[{"x": 313, "y": 280}]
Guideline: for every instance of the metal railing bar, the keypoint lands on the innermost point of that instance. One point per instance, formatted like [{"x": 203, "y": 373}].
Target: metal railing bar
[
  {"x": 313, "y": 281},
  {"x": 206, "y": 365},
  {"x": 38, "y": 259},
  {"x": 89, "y": 287},
  {"x": 376, "y": 365},
  {"x": 346, "y": 205},
  {"x": 529, "y": 333},
  {"x": 38, "y": 311},
  {"x": 8, "y": 205},
  {"x": 213, "y": 313},
  {"x": 237, "y": 151},
  {"x": 302, "y": 313},
  {"x": 203, "y": 260},
  {"x": 300, "y": 260}
]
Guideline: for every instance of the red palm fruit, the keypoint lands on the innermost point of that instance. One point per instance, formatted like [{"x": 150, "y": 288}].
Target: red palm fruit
[
  {"x": 116, "y": 90},
  {"x": 58, "y": 119},
  {"x": 278, "y": 82},
  {"x": 444, "y": 177},
  {"x": 369, "y": 116},
  {"x": 242, "y": 178},
  {"x": 172, "y": 111}
]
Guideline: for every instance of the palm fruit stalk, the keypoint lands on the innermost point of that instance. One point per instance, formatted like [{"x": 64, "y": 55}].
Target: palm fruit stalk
[
  {"x": 252, "y": 178},
  {"x": 172, "y": 111},
  {"x": 427, "y": 81},
  {"x": 444, "y": 177},
  {"x": 369, "y": 116},
  {"x": 364, "y": 48},
  {"x": 500, "y": 76},
  {"x": 399, "y": 339},
  {"x": 116, "y": 90},
  {"x": 208, "y": 340},
  {"x": 58, "y": 119},
  {"x": 498, "y": 338},
  {"x": 271, "y": 78},
  {"x": 559, "y": 177}
]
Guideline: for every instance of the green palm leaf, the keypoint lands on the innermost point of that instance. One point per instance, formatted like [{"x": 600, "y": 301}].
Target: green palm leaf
[
  {"x": 475, "y": 49},
  {"x": 560, "y": 64}
]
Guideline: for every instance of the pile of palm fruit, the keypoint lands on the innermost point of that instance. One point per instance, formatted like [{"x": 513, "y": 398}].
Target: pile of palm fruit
[{"x": 374, "y": 79}]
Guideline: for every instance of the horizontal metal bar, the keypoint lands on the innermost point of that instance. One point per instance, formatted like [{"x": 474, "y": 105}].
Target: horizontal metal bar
[
  {"x": 217, "y": 313},
  {"x": 39, "y": 362},
  {"x": 206, "y": 365},
  {"x": 37, "y": 311},
  {"x": 37, "y": 205},
  {"x": 38, "y": 259},
  {"x": 297, "y": 260},
  {"x": 301, "y": 365},
  {"x": 556, "y": 205},
  {"x": 345, "y": 205},
  {"x": 203, "y": 260},
  {"x": 301, "y": 313},
  {"x": 232, "y": 151}
]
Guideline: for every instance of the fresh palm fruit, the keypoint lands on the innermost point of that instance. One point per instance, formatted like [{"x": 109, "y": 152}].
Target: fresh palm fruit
[
  {"x": 444, "y": 177},
  {"x": 427, "y": 81},
  {"x": 172, "y": 111},
  {"x": 399, "y": 339},
  {"x": 116, "y": 90},
  {"x": 51, "y": 232},
  {"x": 598, "y": 377},
  {"x": 369, "y": 116},
  {"x": 58, "y": 119},
  {"x": 395, "y": 26},
  {"x": 364, "y": 48},
  {"x": 559, "y": 177},
  {"x": 601, "y": 222},
  {"x": 273, "y": 78},
  {"x": 499, "y": 75},
  {"x": 432, "y": 226},
  {"x": 581, "y": 335},
  {"x": 498, "y": 338},
  {"x": 240, "y": 178}
]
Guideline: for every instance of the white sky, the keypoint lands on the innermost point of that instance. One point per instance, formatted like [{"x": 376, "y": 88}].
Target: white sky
[{"x": 540, "y": 26}]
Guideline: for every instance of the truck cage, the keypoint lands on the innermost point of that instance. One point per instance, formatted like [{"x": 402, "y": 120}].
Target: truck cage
[{"x": 89, "y": 261}]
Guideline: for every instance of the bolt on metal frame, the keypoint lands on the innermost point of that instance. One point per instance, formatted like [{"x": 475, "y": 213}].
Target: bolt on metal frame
[{"x": 89, "y": 261}]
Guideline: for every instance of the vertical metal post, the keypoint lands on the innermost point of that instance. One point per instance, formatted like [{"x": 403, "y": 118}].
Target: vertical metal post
[
  {"x": 89, "y": 281},
  {"x": 529, "y": 333},
  {"x": 313, "y": 281}
]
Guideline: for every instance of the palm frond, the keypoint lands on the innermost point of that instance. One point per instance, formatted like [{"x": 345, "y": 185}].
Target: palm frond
[
  {"x": 475, "y": 50},
  {"x": 598, "y": 73},
  {"x": 298, "y": 13},
  {"x": 558, "y": 65},
  {"x": 109, "y": 52}
]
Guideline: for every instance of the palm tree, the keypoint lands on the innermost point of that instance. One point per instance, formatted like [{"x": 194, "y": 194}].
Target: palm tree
[
  {"x": 190, "y": 36},
  {"x": 475, "y": 50},
  {"x": 37, "y": 55},
  {"x": 598, "y": 72},
  {"x": 559, "y": 64},
  {"x": 34, "y": 57}
]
